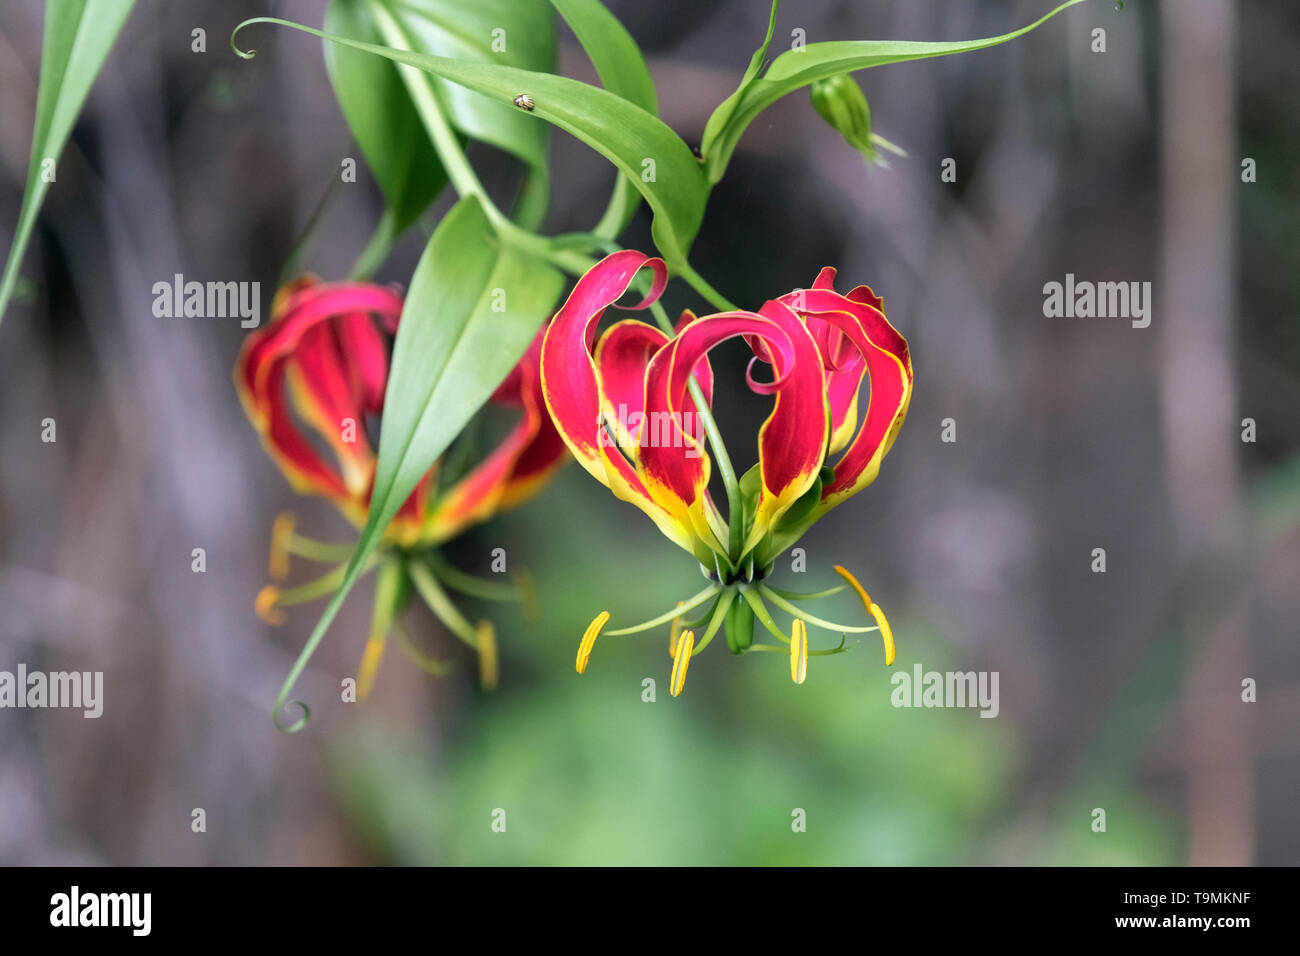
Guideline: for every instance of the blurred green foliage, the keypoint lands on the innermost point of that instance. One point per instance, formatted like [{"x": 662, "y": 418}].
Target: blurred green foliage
[{"x": 588, "y": 773}]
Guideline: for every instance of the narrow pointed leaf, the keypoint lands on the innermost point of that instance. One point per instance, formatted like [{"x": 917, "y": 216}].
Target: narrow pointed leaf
[
  {"x": 661, "y": 166},
  {"x": 381, "y": 117},
  {"x": 622, "y": 70},
  {"x": 727, "y": 108},
  {"x": 78, "y": 36},
  {"x": 795, "y": 69},
  {"x": 518, "y": 33},
  {"x": 453, "y": 348}
]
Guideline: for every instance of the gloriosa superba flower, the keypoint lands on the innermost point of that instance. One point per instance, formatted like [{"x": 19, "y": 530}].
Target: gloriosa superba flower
[
  {"x": 311, "y": 379},
  {"x": 625, "y": 404}
]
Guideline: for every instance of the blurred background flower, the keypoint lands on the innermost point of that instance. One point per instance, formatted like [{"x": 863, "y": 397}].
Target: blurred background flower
[{"x": 1119, "y": 690}]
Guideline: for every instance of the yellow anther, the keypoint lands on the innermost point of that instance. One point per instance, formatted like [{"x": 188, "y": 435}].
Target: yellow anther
[
  {"x": 681, "y": 661},
  {"x": 674, "y": 632},
  {"x": 265, "y": 605},
  {"x": 886, "y": 634},
  {"x": 281, "y": 531},
  {"x": 487, "y": 655},
  {"x": 589, "y": 639},
  {"x": 369, "y": 667},
  {"x": 527, "y": 592},
  {"x": 798, "y": 651}
]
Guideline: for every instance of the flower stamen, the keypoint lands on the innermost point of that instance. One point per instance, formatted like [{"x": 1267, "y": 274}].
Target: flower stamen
[
  {"x": 265, "y": 606},
  {"x": 589, "y": 640},
  {"x": 281, "y": 534},
  {"x": 487, "y": 655},
  {"x": 527, "y": 591},
  {"x": 681, "y": 661},
  {"x": 761, "y": 613},
  {"x": 674, "y": 632},
  {"x": 798, "y": 651},
  {"x": 810, "y": 619},
  {"x": 806, "y": 596},
  {"x": 886, "y": 633},
  {"x": 682, "y": 606},
  {"x": 369, "y": 667},
  {"x": 430, "y": 665},
  {"x": 388, "y": 589}
]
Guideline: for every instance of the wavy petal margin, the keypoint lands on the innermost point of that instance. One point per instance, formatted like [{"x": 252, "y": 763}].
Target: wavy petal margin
[
  {"x": 888, "y": 365},
  {"x": 296, "y": 364},
  {"x": 572, "y": 390}
]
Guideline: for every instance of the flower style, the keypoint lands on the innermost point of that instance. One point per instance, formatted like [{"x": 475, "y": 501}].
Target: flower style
[
  {"x": 311, "y": 381},
  {"x": 634, "y": 406}
]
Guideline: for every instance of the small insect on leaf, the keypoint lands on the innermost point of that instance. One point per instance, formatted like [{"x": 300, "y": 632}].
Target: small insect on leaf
[{"x": 524, "y": 102}]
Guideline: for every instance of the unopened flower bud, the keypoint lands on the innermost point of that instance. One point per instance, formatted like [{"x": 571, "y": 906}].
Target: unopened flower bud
[{"x": 840, "y": 102}]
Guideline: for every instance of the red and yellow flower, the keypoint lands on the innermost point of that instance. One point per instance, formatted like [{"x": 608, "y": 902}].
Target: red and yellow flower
[
  {"x": 633, "y": 405},
  {"x": 312, "y": 382}
]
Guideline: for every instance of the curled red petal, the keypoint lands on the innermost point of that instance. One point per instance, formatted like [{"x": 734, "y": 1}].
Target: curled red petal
[
  {"x": 792, "y": 440},
  {"x": 889, "y": 366},
  {"x": 367, "y": 351},
  {"x": 571, "y": 384},
  {"x": 516, "y": 468},
  {"x": 298, "y": 360}
]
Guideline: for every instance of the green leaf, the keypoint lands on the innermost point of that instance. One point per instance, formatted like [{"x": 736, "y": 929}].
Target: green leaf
[
  {"x": 622, "y": 70},
  {"x": 518, "y": 33},
  {"x": 381, "y": 117},
  {"x": 451, "y": 352},
  {"x": 798, "y": 68},
  {"x": 384, "y": 120},
  {"x": 635, "y": 141},
  {"x": 78, "y": 36},
  {"x": 727, "y": 108},
  {"x": 452, "y": 348}
]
